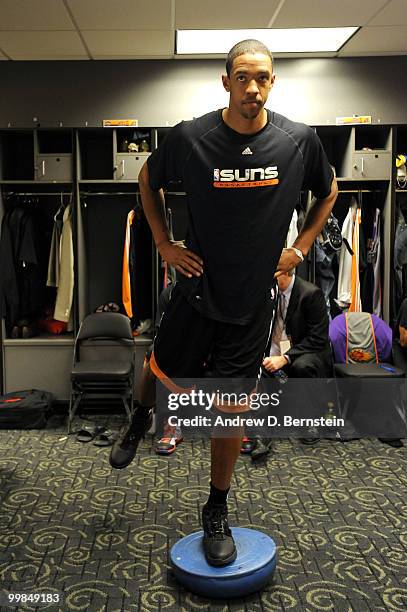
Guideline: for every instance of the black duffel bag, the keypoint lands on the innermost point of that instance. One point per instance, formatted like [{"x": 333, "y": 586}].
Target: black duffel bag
[{"x": 27, "y": 409}]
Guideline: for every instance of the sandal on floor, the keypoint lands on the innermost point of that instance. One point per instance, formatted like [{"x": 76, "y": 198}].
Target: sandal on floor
[
  {"x": 106, "y": 438},
  {"x": 88, "y": 433}
]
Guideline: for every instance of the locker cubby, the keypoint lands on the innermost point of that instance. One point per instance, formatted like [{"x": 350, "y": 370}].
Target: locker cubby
[
  {"x": 95, "y": 154},
  {"x": 401, "y": 140},
  {"x": 126, "y": 136},
  {"x": 103, "y": 219},
  {"x": 53, "y": 156},
  {"x": 128, "y": 163},
  {"x": 41, "y": 204},
  {"x": 372, "y": 137},
  {"x": 104, "y": 222},
  {"x": 337, "y": 144},
  {"x": 17, "y": 156},
  {"x": 54, "y": 141},
  {"x": 373, "y": 197}
]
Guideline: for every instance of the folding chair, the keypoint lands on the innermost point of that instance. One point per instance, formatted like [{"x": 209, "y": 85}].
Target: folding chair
[
  {"x": 353, "y": 344},
  {"x": 103, "y": 361}
]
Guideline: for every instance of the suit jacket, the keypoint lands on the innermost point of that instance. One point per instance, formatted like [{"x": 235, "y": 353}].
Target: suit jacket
[{"x": 307, "y": 323}]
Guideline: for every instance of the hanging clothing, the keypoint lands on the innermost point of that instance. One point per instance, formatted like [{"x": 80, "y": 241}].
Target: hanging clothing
[
  {"x": 400, "y": 259},
  {"x": 324, "y": 273},
  {"x": 63, "y": 304},
  {"x": 292, "y": 230},
  {"x": 345, "y": 259},
  {"x": 21, "y": 280},
  {"x": 137, "y": 268},
  {"x": 356, "y": 303},
  {"x": 55, "y": 250},
  {"x": 126, "y": 271},
  {"x": 9, "y": 294},
  {"x": 371, "y": 285}
]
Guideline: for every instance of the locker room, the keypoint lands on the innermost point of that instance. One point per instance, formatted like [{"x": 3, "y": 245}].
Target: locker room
[{"x": 108, "y": 500}]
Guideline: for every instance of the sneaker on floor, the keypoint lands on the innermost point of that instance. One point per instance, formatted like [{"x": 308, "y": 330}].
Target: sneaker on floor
[
  {"x": 394, "y": 442},
  {"x": 125, "y": 447},
  {"x": 247, "y": 446},
  {"x": 171, "y": 437},
  {"x": 218, "y": 543},
  {"x": 145, "y": 327},
  {"x": 312, "y": 437},
  {"x": 262, "y": 449}
]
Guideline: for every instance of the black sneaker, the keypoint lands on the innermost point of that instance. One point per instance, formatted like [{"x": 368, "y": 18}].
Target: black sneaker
[
  {"x": 125, "y": 447},
  {"x": 312, "y": 437},
  {"x": 218, "y": 542},
  {"x": 394, "y": 442},
  {"x": 261, "y": 449}
]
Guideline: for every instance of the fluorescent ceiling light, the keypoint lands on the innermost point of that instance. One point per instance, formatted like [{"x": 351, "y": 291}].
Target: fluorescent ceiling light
[{"x": 293, "y": 40}]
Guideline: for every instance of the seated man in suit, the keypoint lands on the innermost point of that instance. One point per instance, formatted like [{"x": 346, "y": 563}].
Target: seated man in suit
[{"x": 300, "y": 342}]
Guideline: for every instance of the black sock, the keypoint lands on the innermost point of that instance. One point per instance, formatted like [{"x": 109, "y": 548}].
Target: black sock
[{"x": 217, "y": 496}]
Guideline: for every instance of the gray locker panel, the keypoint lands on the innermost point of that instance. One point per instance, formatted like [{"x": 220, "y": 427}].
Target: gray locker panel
[
  {"x": 371, "y": 165},
  {"x": 54, "y": 168},
  {"x": 38, "y": 366},
  {"x": 128, "y": 165}
]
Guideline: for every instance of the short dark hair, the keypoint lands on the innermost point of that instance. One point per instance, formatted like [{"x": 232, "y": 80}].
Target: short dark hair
[{"x": 246, "y": 46}]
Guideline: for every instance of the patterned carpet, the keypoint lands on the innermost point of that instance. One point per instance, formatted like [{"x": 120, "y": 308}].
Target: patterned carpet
[{"x": 70, "y": 524}]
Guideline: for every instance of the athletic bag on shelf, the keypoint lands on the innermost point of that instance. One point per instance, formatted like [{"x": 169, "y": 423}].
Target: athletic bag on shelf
[{"x": 27, "y": 409}]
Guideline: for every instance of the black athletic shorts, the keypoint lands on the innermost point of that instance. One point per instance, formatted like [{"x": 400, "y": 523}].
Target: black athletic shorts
[{"x": 186, "y": 338}]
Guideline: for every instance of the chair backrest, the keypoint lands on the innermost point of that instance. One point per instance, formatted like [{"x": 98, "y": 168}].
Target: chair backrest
[
  {"x": 105, "y": 336},
  {"x": 105, "y": 325},
  {"x": 359, "y": 337}
]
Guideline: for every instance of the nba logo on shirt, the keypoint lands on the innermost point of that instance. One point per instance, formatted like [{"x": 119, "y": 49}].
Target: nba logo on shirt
[{"x": 216, "y": 175}]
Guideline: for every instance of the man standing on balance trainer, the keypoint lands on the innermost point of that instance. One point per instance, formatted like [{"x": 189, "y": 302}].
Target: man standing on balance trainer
[{"x": 243, "y": 168}]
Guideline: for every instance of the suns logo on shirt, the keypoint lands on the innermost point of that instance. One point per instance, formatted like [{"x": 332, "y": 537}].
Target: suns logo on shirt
[{"x": 249, "y": 177}]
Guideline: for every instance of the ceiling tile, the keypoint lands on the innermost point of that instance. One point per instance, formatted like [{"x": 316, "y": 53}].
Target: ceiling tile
[
  {"x": 34, "y": 15},
  {"x": 229, "y": 14},
  {"x": 121, "y": 14},
  {"x": 377, "y": 40},
  {"x": 129, "y": 44},
  {"x": 395, "y": 13},
  {"x": 42, "y": 45},
  {"x": 326, "y": 13}
]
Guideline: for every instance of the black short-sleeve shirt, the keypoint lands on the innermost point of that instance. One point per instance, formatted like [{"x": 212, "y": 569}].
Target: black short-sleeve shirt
[{"x": 241, "y": 193}]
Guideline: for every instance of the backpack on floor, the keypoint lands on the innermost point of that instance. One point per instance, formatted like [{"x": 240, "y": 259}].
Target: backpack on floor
[{"x": 27, "y": 409}]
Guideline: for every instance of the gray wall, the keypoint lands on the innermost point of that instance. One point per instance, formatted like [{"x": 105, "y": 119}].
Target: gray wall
[{"x": 162, "y": 92}]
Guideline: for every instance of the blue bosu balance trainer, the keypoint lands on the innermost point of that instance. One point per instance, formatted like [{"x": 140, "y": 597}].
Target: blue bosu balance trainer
[{"x": 253, "y": 567}]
